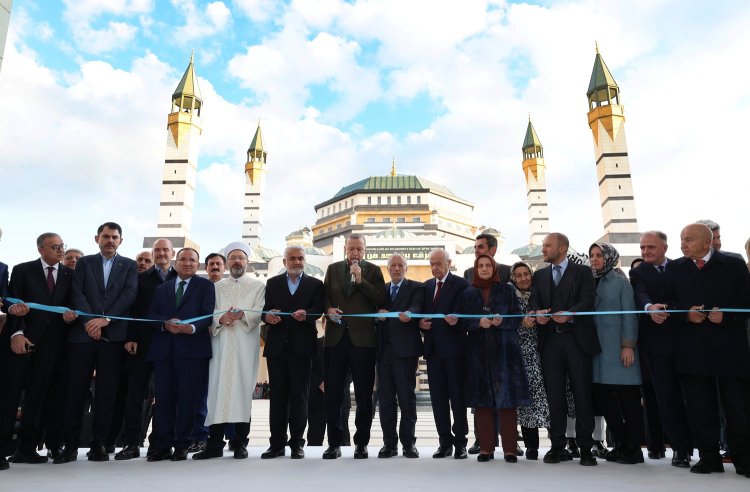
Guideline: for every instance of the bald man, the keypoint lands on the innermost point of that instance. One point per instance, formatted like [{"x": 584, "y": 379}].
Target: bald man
[{"x": 711, "y": 351}]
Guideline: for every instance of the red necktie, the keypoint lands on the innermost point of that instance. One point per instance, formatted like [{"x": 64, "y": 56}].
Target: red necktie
[
  {"x": 700, "y": 263},
  {"x": 437, "y": 292},
  {"x": 50, "y": 279}
]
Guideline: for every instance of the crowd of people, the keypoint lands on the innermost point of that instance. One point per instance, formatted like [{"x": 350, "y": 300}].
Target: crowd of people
[{"x": 557, "y": 348}]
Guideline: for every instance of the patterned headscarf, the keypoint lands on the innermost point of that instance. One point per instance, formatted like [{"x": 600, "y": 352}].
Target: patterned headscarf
[{"x": 611, "y": 257}]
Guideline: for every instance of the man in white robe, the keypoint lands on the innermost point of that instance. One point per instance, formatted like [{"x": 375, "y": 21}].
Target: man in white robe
[{"x": 235, "y": 343}]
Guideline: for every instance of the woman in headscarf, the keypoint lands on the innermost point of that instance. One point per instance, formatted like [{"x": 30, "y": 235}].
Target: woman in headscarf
[
  {"x": 617, "y": 370},
  {"x": 495, "y": 375},
  {"x": 537, "y": 414}
]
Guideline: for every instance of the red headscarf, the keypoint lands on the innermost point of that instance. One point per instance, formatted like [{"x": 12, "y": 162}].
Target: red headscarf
[{"x": 485, "y": 285}]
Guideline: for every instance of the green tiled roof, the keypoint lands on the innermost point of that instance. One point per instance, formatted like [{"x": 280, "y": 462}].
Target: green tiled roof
[
  {"x": 601, "y": 77},
  {"x": 257, "y": 143},
  {"x": 395, "y": 183},
  {"x": 531, "y": 141},
  {"x": 188, "y": 86}
]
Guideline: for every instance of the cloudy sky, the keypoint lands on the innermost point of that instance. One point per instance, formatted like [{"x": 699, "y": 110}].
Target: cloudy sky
[{"x": 340, "y": 87}]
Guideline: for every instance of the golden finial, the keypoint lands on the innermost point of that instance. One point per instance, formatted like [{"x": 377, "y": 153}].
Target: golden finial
[
  {"x": 192, "y": 55},
  {"x": 529, "y": 116},
  {"x": 393, "y": 166},
  {"x": 596, "y": 44}
]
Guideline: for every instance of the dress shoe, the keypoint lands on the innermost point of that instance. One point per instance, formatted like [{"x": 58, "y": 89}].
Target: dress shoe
[
  {"x": 599, "y": 449},
  {"x": 657, "y": 455},
  {"x": 128, "y": 453},
  {"x": 155, "y": 454},
  {"x": 207, "y": 454},
  {"x": 66, "y": 455},
  {"x": 411, "y": 451},
  {"x": 511, "y": 458},
  {"x": 240, "y": 451},
  {"x": 484, "y": 457},
  {"x": 360, "y": 452},
  {"x": 179, "y": 455},
  {"x": 387, "y": 452},
  {"x": 4, "y": 465},
  {"x": 704, "y": 466},
  {"x": 552, "y": 456},
  {"x": 272, "y": 452},
  {"x": 587, "y": 458},
  {"x": 631, "y": 456},
  {"x": 332, "y": 453},
  {"x": 519, "y": 451},
  {"x": 196, "y": 447},
  {"x": 31, "y": 457},
  {"x": 110, "y": 448},
  {"x": 443, "y": 452},
  {"x": 54, "y": 451},
  {"x": 474, "y": 449},
  {"x": 230, "y": 446},
  {"x": 573, "y": 448},
  {"x": 680, "y": 459},
  {"x": 98, "y": 453},
  {"x": 297, "y": 452},
  {"x": 460, "y": 453},
  {"x": 532, "y": 454},
  {"x": 613, "y": 455}
]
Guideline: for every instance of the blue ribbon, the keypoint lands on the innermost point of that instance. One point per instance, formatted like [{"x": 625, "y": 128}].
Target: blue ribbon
[{"x": 62, "y": 309}]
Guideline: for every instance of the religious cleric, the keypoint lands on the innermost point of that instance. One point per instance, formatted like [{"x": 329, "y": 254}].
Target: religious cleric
[{"x": 235, "y": 343}]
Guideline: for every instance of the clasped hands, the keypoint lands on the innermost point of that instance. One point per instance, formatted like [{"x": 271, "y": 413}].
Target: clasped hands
[
  {"x": 557, "y": 317},
  {"x": 274, "y": 319},
  {"x": 404, "y": 316},
  {"x": 232, "y": 315},
  {"x": 426, "y": 323},
  {"x": 496, "y": 320},
  {"x": 695, "y": 315}
]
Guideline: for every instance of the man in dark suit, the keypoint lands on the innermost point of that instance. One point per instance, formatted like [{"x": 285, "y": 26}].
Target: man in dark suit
[
  {"x": 486, "y": 244},
  {"x": 352, "y": 286},
  {"x": 32, "y": 344},
  {"x": 136, "y": 370},
  {"x": 289, "y": 350},
  {"x": 400, "y": 345},
  {"x": 104, "y": 284},
  {"x": 656, "y": 342},
  {"x": 180, "y": 353},
  {"x": 712, "y": 354},
  {"x": 444, "y": 350},
  {"x": 567, "y": 344}
]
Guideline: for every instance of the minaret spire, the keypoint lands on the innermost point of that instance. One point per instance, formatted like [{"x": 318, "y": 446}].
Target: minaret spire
[
  {"x": 255, "y": 182},
  {"x": 393, "y": 166},
  {"x": 536, "y": 185}
]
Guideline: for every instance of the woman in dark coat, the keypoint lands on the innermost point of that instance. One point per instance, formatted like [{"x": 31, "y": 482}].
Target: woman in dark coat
[{"x": 495, "y": 374}]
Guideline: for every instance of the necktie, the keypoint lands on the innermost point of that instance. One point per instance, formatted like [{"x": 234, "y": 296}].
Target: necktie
[
  {"x": 700, "y": 263},
  {"x": 661, "y": 268},
  {"x": 394, "y": 292},
  {"x": 179, "y": 293},
  {"x": 556, "y": 274},
  {"x": 437, "y": 291},
  {"x": 50, "y": 279}
]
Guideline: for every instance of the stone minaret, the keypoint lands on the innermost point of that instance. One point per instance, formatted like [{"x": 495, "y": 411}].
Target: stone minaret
[
  {"x": 607, "y": 122},
  {"x": 180, "y": 163},
  {"x": 255, "y": 182},
  {"x": 536, "y": 185}
]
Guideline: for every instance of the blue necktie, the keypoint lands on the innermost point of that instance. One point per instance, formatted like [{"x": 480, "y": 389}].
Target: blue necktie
[
  {"x": 394, "y": 292},
  {"x": 556, "y": 274}
]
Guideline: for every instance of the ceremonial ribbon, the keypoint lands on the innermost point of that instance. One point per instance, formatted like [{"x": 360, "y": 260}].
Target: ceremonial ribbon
[{"x": 62, "y": 309}]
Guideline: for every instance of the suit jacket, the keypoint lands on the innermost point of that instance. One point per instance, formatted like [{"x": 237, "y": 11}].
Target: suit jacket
[
  {"x": 90, "y": 296},
  {"x": 3, "y": 280},
  {"x": 365, "y": 297},
  {"x": 649, "y": 288},
  {"x": 199, "y": 300},
  {"x": 575, "y": 292},
  {"x": 403, "y": 337},
  {"x": 502, "y": 270},
  {"x": 707, "y": 348},
  {"x": 299, "y": 336},
  {"x": 141, "y": 332},
  {"x": 446, "y": 341},
  {"x": 29, "y": 283}
]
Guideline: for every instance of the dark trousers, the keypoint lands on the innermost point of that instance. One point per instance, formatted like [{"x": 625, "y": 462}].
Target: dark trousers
[
  {"x": 361, "y": 361},
  {"x": 200, "y": 429},
  {"x": 562, "y": 356},
  {"x": 702, "y": 395},
  {"x": 289, "y": 379},
  {"x": 132, "y": 404},
  {"x": 216, "y": 435},
  {"x": 179, "y": 385},
  {"x": 316, "y": 417},
  {"x": 487, "y": 433},
  {"x": 669, "y": 400},
  {"x": 530, "y": 437},
  {"x": 447, "y": 378},
  {"x": 621, "y": 406},
  {"x": 654, "y": 437},
  {"x": 82, "y": 360},
  {"x": 32, "y": 374},
  {"x": 396, "y": 382}
]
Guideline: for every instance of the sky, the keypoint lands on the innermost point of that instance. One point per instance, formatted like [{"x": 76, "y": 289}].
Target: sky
[{"x": 343, "y": 87}]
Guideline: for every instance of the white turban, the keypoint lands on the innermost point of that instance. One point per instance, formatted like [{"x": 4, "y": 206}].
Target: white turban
[{"x": 238, "y": 245}]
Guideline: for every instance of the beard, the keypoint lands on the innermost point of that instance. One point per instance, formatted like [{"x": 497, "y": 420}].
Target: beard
[{"x": 237, "y": 271}]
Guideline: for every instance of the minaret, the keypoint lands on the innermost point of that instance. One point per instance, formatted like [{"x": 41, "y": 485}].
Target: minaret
[
  {"x": 180, "y": 163},
  {"x": 536, "y": 185},
  {"x": 607, "y": 123},
  {"x": 255, "y": 182}
]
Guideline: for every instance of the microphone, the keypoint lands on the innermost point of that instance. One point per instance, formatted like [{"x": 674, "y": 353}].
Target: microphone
[{"x": 354, "y": 279}]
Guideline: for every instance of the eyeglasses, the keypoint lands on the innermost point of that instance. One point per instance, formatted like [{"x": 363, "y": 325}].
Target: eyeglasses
[
  {"x": 58, "y": 247},
  {"x": 236, "y": 258}
]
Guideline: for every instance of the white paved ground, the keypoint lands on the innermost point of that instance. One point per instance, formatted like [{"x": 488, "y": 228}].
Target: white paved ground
[{"x": 313, "y": 473}]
